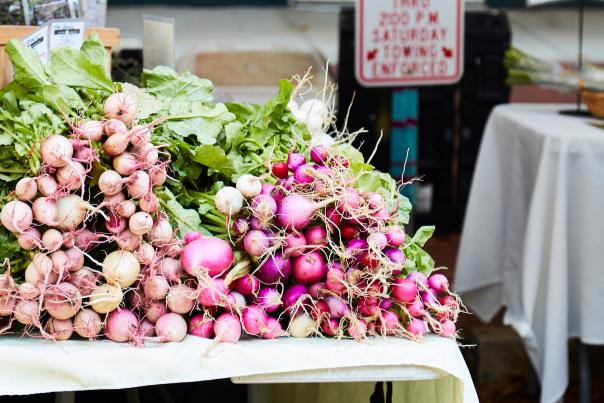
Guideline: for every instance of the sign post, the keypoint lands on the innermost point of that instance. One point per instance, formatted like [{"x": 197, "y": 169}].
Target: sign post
[{"x": 408, "y": 42}]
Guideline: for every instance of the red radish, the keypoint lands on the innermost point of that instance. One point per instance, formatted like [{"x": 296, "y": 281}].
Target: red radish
[
  {"x": 115, "y": 126},
  {"x": 84, "y": 280},
  {"x": 417, "y": 328},
  {"x": 149, "y": 203},
  {"x": 120, "y": 106},
  {"x": 404, "y": 290},
  {"x": 16, "y": 216},
  {"x": 357, "y": 248},
  {"x": 214, "y": 294},
  {"x": 56, "y": 151},
  {"x": 47, "y": 185},
  {"x": 227, "y": 328},
  {"x": 59, "y": 329},
  {"x": 155, "y": 310},
  {"x": 247, "y": 285},
  {"x": 447, "y": 328},
  {"x": 334, "y": 218},
  {"x": 139, "y": 184},
  {"x": 249, "y": 185},
  {"x": 145, "y": 253},
  {"x": 367, "y": 306},
  {"x": 418, "y": 277},
  {"x": 279, "y": 169},
  {"x": 110, "y": 182},
  {"x": 294, "y": 160},
  {"x": 27, "y": 312},
  {"x": 337, "y": 307},
  {"x": 308, "y": 268},
  {"x": 438, "y": 282},
  {"x": 171, "y": 269},
  {"x": 92, "y": 130},
  {"x": 255, "y": 243},
  {"x": 140, "y": 135},
  {"x": 389, "y": 323},
  {"x": 395, "y": 235},
  {"x": 62, "y": 301},
  {"x": 26, "y": 189},
  {"x": 305, "y": 173},
  {"x": 301, "y": 326},
  {"x": 121, "y": 325},
  {"x": 87, "y": 323},
  {"x": 319, "y": 154},
  {"x": 201, "y": 326},
  {"x": 349, "y": 232},
  {"x": 180, "y": 299},
  {"x": 317, "y": 290},
  {"x": 211, "y": 254},
  {"x": 29, "y": 239},
  {"x": 269, "y": 299},
  {"x": 156, "y": 287},
  {"x": 125, "y": 164},
  {"x": 161, "y": 232},
  {"x": 449, "y": 301},
  {"x": 276, "y": 268},
  {"x": 140, "y": 223},
  {"x": 192, "y": 236},
  {"x": 357, "y": 329},
  {"x": 273, "y": 329},
  {"x": 267, "y": 189},
  {"x": 71, "y": 176},
  {"x": 295, "y": 244},
  {"x": 335, "y": 279},
  {"x": 293, "y": 294},
  {"x": 254, "y": 320},
  {"x": 320, "y": 310},
  {"x": 416, "y": 309},
  {"x": 157, "y": 175},
  {"x": 386, "y": 303},
  {"x": 330, "y": 327},
  {"x": 316, "y": 236},
  {"x": 121, "y": 267},
  {"x": 105, "y": 298}
]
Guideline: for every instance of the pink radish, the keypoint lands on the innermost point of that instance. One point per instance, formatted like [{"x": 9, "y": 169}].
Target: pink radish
[
  {"x": 295, "y": 244},
  {"x": 148, "y": 203},
  {"x": 84, "y": 280},
  {"x": 126, "y": 208},
  {"x": 155, "y": 310},
  {"x": 227, "y": 328},
  {"x": 52, "y": 240},
  {"x": 115, "y": 126},
  {"x": 171, "y": 269},
  {"x": 417, "y": 328},
  {"x": 273, "y": 329},
  {"x": 156, "y": 287},
  {"x": 337, "y": 307},
  {"x": 140, "y": 135},
  {"x": 92, "y": 130},
  {"x": 27, "y": 312},
  {"x": 180, "y": 299},
  {"x": 276, "y": 268},
  {"x": 125, "y": 164},
  {"x": 416, "y": 309},
  {"x": 171, "y": 328},
  {"x": 56, "y": 151},
  {"x": 192, "y": 236},
  {"x": 161, "y": 231},
  {"x": 59, "y": 329},
  {"x": 357, "y": 328},
  {"x": 294, "y": 160},
  {"x": 447, "y": 328},
  {"x": 120, "y": 106},
  {"x": 26, "y": 189},
  {"x": 207, "y": 254},
  {"x": 308, "y": 268},
  {"x": 139, "y": 184},
  {"x": 404, "y": 290},
  {"x": 395, "y": 235},
  {"x": 438, "y": 282},
  {"x": 255, "y": 243},
  {"x": 145, "y": 253},
  {"x": 214, "y": 294},
  {"x": 201, "y": 326},
  {"x": 269, "y": 299},
  {"x": 62, "y": 301},
  {"x": 29, "y": 239},
  {"x": 128, "y": 241},
  {"x": 16, "y": 216},
  {"x": 47, "y": 185},
  {"x": 87, "y": 323},
  {"x": 71, "y": 176},
  {"x": 121, "y": 326},
  {"x": 316, "y": 236},
  {"x": 247, "y": 285},
  {"x": 110, "y": 182},
  {"x": 254, "y": 320}
]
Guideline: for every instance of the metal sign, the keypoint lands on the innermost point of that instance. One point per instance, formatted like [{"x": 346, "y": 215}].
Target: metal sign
[{"x": 409, "y": 42}]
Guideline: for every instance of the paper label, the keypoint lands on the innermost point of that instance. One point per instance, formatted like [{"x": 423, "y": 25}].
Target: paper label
[
  {"x": 38, "y": 41},
  {"x": 70, "y": 33}
]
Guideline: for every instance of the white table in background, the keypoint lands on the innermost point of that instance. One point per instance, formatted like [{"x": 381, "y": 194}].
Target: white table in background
[
  {"x": 533, "y": 237},
  {"x": 38, "y": 366}
]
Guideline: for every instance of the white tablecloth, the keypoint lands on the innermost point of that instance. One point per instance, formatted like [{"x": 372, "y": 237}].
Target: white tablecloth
[
  {"x": 36, "y": 366},
  {"x": 533, "y": 237}
]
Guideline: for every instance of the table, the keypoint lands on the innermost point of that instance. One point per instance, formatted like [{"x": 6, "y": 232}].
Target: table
[
  {"x": 533, "y": 237},
  {"x": 38, "y": 366}
]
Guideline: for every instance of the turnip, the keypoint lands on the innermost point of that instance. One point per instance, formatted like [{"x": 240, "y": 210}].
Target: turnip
[
  {"x": 438, "y": 282},
  {"x": 52, "y": 240},
  {"x": 161, "y": 232},
  {"x": 404, "y": 290},
  {"x": 201, "y": 326},
  {"x": 125, "y": 164},
  {"x": 171, "y": 327},
  {"x": 229, "y": 200},
  {"x": 227, "y": 328},
  {"x": 71, "y": 211},
  {"x": 121, "y": 268},
  {"x": 213, "y": 255},
  {"x": 139, "y": 184},
  {"x": 249, "y": 185},
  {"x": 26, "y": 189},
  {"x": 254, "y": 320},
  {"x": 110, "y": 182},
  {"x": 155, "y": 310},
  {"x": 148, "y": 203},
  {"x": 105, "y": 298},
  {"x": 121, "y": 325},
  {"x": 128, "y": 241},
  {"x": 59, "y": 329},
  {"x": 247, "y": 285},
  {"x": 56, "y": 151},
  {"x": 337, "y": 307},
  {"x": 71, "y": 176},
  {"x": 213, "y": 294},
  {"x": 16, "y": 216},
  {"x": 47, "y": 185},
  {"x": 255, "y": 243},
  {"x": 120, "y": 106},
  {"x": 145, "y": 253},
  {"x": 115, "y": 126},
  {"x": 126, "y": 208},
  {"x": 308, "y": 268},
  {"x": 269, "y": 299},
  {"x": 87, "y": 323},
  {"x": 301, "y": 326},
  {"x": 28, "y": 291},
  {"x": 29, "y": 239},
  {"x": 27, "y": 312},
  {"x": 293, "y": 295},
  {"x": 275, "y": 269},
  {"x": 140, "y": 223},
  {"x": 316, "y": 236},
  {"x": 62, "y": 301},
  {"x": 416, "y": 327},
  {"x": 180, "y": 299},
  {"x": 171, "y": 269},
  {"x": 294, "y": 160},
  {"x": 295, "y": 244}
]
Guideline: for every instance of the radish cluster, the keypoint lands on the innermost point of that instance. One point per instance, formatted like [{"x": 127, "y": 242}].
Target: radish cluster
[
  {"x": 328, "y": 258},
  {"x": 104, "y": 258}
]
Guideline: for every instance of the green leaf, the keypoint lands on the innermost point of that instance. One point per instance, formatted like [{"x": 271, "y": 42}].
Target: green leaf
[
  {"x": 213, "y": 157},
  {"x": 147, "y": 104},
  {"x": 423, "y": 234},
  {"x": 404, "y": 209},
  {"x": 166, "y": 82},
  {"x": 348, "y": 151},
  {"x": 27, "y": 67},
  {"x": 73, "y": 68},
  {"x": 94, "y": 50},
  {"x": 186, "y": 219}
]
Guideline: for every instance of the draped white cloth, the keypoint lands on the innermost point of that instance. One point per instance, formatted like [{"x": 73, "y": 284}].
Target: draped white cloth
[
  {"x": 533, "y": 237},
  {"x": 36, "y": 366}
]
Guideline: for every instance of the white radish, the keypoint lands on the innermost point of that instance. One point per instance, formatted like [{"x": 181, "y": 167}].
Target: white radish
[
  {"x": 156, "y": 287},
  {"x": 47, "y": 185},
  {"x": 62, "y": 301},
  {"x": 27, "y": 312},
  {"x": 52, "y": 240},
  {"x": 45, "y": 211},
  {"x": 87, "y": 323},
  {"x": 140, "y": 223},
  {"x": 29, "y": 239},
  {"x": 125, "y": 164},
  {"x": 120, "y": 106},
  {"x": 126, "y": 208},
  {"x": 72, "y": 175},
  {"x": 139, "y": 184},
  {"x": 16, "y": 216},
  {"x": 228, "y": 200},
  {"x": 85, "y": 280},
  {"x": 110, "y": 182},
  {"x": 171, "y": 327},
  {"x": 180, "y": 299},
  {"x": 249, "y": 185},
  {"x": 115, "y": 126},
  {"x": 56, "y": 151},
  {"x": 149, "y": 203},
  {"x": 301, "y": 326},
  {"x": 161, "y": 232},
  {"x": 126, "y": 240},
  {"x": 92, "y": 130},
  {"x": 121, "y": 267},
  {"x": 71, "y": 212},
  {"x": 145, "y": 253},
  {"x": 105, "y": 298},
  {"x": 26, "y": 189},
  {"x": 59, "y": 329}
]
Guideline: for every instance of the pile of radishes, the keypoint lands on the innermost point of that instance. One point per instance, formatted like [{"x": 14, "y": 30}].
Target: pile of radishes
[
  {"x": 94, "y": 249},
  {"x": 326, "y": 259}
]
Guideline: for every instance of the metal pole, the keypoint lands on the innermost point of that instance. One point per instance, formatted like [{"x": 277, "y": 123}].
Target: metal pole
[
  {"x": 580, "y": 51},
  {"x": 584, "y": 373}
]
